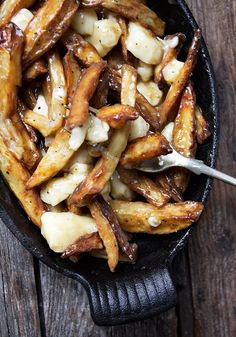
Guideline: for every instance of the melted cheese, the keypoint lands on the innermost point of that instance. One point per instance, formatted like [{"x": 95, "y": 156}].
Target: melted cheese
[
  {"x": 22, "y": 18},
  {"x": 171, "y": 70},
  {"x": 97, "y": 130},
  {"x": 138, "y": 128},
  {"x": 83, "y": 21}
]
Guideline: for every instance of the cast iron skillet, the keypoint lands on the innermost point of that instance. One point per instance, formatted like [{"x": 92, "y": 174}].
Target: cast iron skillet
[{"x": 137, "y": 291}]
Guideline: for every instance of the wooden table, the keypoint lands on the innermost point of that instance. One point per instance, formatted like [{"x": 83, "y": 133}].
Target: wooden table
[{"x": 38, "y": 302}]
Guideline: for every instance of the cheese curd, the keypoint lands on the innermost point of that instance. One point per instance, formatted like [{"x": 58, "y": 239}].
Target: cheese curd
[
  {"x": 84, "y": 20},
  {"x": 63, "y": 229},
  {"x": 151, "y": 92},
  {"x": 143, "y": 45},
  {"x": 97, "y": 130},
  {"x": 138, "y": 128},
  {"x": 119, "y": 190},
  {"x": 22, "y": 18},
  {"x": 41, "y": 106},
  {"x": 77, "y": 137},
  {"x": 168, "y": 132},
  {"x": 145, "y": 71},
  {"x": 59, "y": 189},
  {"x": 106, "y": 34},
  {"x": 172, "y": 70},
  {"x": 153, "y": 221}
]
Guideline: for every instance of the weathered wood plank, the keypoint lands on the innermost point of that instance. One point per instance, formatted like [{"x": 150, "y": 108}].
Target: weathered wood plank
[
  {"x": 18, "y": 299},
  {"x": 213, "y": 245},
  {"x": 67, "y": 313}
]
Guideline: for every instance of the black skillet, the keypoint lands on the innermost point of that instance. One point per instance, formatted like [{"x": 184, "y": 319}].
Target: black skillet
[{"x": 137, "y": 291}]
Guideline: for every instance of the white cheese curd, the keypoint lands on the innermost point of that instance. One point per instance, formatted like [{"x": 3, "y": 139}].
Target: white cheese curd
[
  {"x": 145, "y": 71},
  {"x": 168, "y": 132},
  {"x": 172, "y": 70},
  {"x": 77, "y": 137},
  {"x": 83, "y": 21},
  {"x": 59, "y": 189},
  {"x": 22, "y": 18},
  {"x": 106, "y": 34},
  {"x": 81, "y": 157},
  {"x": 97, "y": 130},
  {"x": 48, "y": 141},
  {"x": 153, "y": 221},
  {"x": 119, "y": 190},
  {"x": 138, "y": 128},
  {"x": 41, "y": 106},
  {"x": 143, "y": 45},
  {"x": 169, "y": 43},
  {"x": 63, "y": 229},
  {"x": 151, "y": 92}
]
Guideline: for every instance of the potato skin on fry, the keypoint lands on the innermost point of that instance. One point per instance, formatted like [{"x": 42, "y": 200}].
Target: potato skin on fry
[
  {"x": 10, "y": 7},
  {"x": 17, "y": 177},
  {"x": 83, "y": 93},
  {"x": 36, "y": 69},
  {"x": 134, "y": 11},
  {"x": 117, "y": 115},
  {"x": 136, "y": 217},
  {"x": 72, "y": 73},
  {"x": 107, "y": 235},
  {"x": 169, "y": 106},
  {"x": 82, "y": 49},
  {"x": 85, "y": 244},
  {"x": 47, "y": 26},
  {"x": 144, "y": 148},
  {"x": 202, "y": 128}
]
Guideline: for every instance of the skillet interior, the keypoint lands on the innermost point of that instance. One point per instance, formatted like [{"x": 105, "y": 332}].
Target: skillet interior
[{"x": 155, "y": 252}]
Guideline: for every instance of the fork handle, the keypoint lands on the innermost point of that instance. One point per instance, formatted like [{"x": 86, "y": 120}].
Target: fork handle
[{"x": 198, "y": 167}]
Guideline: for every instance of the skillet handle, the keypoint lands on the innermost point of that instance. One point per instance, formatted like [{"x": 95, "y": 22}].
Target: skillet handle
[{"x": 126, "y": 300}]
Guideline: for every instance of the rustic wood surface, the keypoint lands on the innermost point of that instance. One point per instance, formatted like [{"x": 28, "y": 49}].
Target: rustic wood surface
[{"x": 38, "y": 302}]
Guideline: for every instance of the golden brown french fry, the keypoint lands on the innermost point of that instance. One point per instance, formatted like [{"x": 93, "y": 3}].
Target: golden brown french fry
[
  {"x": 170, "y": 55},
  {"x": 166, "y": 180},
  {"x": 168, "y": 108},
  {"x": 202, "y": 128},
  {"x": 128, "y": 85},
  {"x": 36, "y": 69},
  {"x": 47, "y": 91},
  {"x": 72, "y": 74},
  {"x": 85, "y": 244},
  {"x": 141, "y": 184},
  {"x": 123, "y": 38},
  {"x": 30, "y": 151},
  {"x": 17, "y": 176},
  {"x": 140, "y": 217},
  {"x": 57, "y": 109},
  {"x": 10, "y": 7},
  {"x": 184, "y": 136},
  {"x": 117, "y": 115},
  {"x": 11, "y": 45},
  {"x": 37, "y": 121},
  {"x": 103, "y": 170},
  {"x": 107, "y": 235},
  {"x": 134, "y": 11},
  {"x": 55, "y": 159},
  {"x": 82, "y": 49},
  {"x": 21, "y": 109},
  {"x": 144, "y": 148},
  {"x": 130, "y": 249},
  {"x": 146, "y": 110},
  {"x": 83, "y": 93},
  {"x": 100, "y": 97},
  {"x": 47, "y": 26},
  {"x": 101, "y": 254}
]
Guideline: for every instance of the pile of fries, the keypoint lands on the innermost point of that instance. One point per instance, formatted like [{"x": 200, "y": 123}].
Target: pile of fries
[{"x": 88, "y": 90}]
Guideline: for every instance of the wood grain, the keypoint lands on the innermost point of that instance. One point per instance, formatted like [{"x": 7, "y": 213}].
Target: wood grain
[{"x": 18, "y": 298}]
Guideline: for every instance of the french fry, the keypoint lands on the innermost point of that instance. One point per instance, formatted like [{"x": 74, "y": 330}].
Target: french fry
[
  {"x": 123, "y": 38},
  {"x": 57, "y": 109},
  {"x": 145, "y": 148},
  {"x": 202, "y": 128},
  {"x": 117, "y": 115},
  {"x": 170, "y": 55},
  {"x": 37, "y": 121},
  {"x": 57, "y": 156},
  {"x": 29, "y": 97},
  {"x": 169, "y": 106},
  {"x": 140, "y": 217},
  {"x": 107, "y": 235},
  {"x": 130, "y": 249},
  {"x": 166, "y": 180},
  {"x": 83, "y": 93},
  {"x": 184, "y": 137},
  {"x": 132, "y": 10},
  {"x": 72, "y": 74},
  {"x": 128, "y": 85},
  {"x": 10, "y": 7},
  {"x": 139, "y": 183},
  {"x": 101, "y": 254},
  {"x": 11, "y": 44},
  {"x": 82, "y": 49},
  {"x": 47, "y": 26},
  {"x": 47, "y": 91},
  {"x": 146, "y": 110},
  {"x": 100, "y": 97},
  {"x": 17, "y": 176},
  {"x": 21, "y": 109},
  {"x": 36, "y": 69},
  {"x": 85, "y": 244}
]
